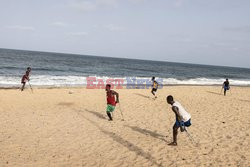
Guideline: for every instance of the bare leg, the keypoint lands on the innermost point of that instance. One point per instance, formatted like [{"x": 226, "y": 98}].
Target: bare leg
[
  {"x": 175, "y": 133},
  {"x": 109, "y": 115},
  {"x": 153, "y": 92},
  {"x": 23, "y": 86}
]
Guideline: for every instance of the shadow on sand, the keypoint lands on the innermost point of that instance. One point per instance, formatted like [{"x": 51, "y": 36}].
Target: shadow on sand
[
  {"x": 148, "y": 132},
  {"x": 214, "y": 93},
  {"x": 125, "y": 143},
  {"x": 99, "y": 115},
  {"x": 248, "y": 101},
  {"x": 138, "y": 94}
]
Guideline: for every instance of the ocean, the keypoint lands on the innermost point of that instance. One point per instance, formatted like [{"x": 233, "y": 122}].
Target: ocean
[{"x": 58, "y": 69}]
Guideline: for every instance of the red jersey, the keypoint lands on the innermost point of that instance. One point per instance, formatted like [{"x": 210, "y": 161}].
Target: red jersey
[
  {"x": 111, "y": 98},
  {"x": 24, "y": 78}
]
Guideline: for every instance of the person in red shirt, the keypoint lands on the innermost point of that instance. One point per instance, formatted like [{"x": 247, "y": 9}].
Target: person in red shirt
[
  {"x": 25, "y": 78},
  {"x": 111, "y": 100}
]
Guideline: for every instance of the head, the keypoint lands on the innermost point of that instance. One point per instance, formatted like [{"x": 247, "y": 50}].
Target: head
[
  {"x": 28, "y": 69},
  {"x": 108, "y": 87},
  {"x": 170, "y": 99},
  {"x": 153, "y": 78},
  {"x": 226, "y": 79}
]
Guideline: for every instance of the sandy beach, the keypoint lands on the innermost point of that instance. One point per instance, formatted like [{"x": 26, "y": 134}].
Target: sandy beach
[{"x": 69, "y": 127}]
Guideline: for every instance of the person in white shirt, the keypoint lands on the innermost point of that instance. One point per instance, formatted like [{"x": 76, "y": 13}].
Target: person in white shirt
[{"x": 183, "y": 118}]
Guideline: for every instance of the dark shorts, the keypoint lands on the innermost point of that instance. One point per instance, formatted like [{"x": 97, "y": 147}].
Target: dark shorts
[
  {"x": 23, "y": 82},
  {"x": 187, "y": 123},
  {"x": 226, "y": 87},
  {"x": 154, "y": 90}
]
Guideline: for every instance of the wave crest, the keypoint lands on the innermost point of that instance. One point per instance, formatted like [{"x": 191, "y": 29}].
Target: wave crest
[{"x": 57, "y": 81}]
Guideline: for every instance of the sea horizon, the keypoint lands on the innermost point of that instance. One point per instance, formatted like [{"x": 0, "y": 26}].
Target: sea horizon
[
  {"x": 67, "y": 69},
  {"x": 78, "y": 54}
]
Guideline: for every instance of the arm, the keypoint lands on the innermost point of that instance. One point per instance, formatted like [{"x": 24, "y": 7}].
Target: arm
[
  {"x": 117, "y": 96},
  {"x": 176, "y": 111},
  {"x": 157, "y": 84},
  {"x": 179, "y": 117}
]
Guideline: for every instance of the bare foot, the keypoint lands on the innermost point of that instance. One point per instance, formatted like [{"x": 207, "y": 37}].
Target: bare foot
[{"x": 172, "y": 144}]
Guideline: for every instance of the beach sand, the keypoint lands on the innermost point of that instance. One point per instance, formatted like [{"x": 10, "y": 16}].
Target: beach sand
[{"x": 69, "y": 127}]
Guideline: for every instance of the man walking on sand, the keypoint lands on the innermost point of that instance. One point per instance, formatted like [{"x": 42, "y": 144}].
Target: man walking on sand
[
  {"x": 183, "y": 118},
  {"x": 111, "y": 101}
]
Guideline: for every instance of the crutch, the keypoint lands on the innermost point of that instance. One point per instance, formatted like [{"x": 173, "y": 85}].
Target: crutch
[
  {"x": 30, "y": 87},
  {"x": 121, "y": 111},
  {"x": 190, "y": 137}
]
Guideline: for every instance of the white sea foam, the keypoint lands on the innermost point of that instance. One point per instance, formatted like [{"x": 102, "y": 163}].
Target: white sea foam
[
  {"x": 205, "y": 81},
  {"x": 57, "y": 81},
  {"x": 44, "y": 80}
]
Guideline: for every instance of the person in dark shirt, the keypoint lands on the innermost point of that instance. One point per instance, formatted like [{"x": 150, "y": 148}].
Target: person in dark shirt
[
  {"x": 154, "y": 87},
  {"x": 226, "y": 86}
]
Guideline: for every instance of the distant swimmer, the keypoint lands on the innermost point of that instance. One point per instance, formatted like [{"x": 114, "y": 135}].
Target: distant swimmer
[
  {"x": 226, "y": 86},
  {"x": 25, "y": 78},
  {"x": 183, "y": 118},
  {"x": 154, "y": 87},
  {"x": 111, "y": 101}
]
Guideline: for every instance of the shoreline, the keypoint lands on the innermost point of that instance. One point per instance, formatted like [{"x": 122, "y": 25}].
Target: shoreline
[{"x": 124, "y": 86}]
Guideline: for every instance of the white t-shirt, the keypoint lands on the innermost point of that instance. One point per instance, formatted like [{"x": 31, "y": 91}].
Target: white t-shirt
[{"x": 185, "y": 116}]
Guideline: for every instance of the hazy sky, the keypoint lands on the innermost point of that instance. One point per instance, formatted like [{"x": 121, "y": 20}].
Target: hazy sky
[{"x": 213, "y": 32}]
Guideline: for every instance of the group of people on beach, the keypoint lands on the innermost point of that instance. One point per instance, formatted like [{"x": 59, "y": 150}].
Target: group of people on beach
[{"x": 182, "y": 117}]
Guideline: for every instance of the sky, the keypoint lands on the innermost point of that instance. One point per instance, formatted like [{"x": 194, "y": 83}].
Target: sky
[{"x": 214, "y": 32}]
